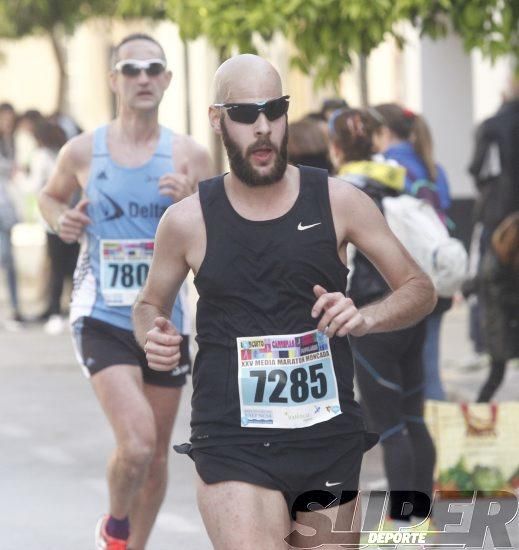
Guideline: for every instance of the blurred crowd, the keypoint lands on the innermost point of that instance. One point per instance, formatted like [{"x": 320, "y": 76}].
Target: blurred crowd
[
  {"x": 364, "y": 146},
  {"x": 29, "y": 145},
  {"x": 387, "y": 151}
]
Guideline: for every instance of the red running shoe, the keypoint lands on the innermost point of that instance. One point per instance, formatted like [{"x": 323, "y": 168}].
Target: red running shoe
[{"x": 105, "y": 541}]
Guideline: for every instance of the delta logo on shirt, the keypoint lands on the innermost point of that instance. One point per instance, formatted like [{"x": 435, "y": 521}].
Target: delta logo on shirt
[{"x": 111, "y": 210}]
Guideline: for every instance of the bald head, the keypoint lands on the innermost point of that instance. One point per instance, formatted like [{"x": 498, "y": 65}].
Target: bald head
[{"x": 246, "y": 78}]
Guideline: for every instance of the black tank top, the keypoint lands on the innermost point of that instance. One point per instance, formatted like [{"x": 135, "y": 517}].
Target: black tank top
[{"x": 257, "y": 279}]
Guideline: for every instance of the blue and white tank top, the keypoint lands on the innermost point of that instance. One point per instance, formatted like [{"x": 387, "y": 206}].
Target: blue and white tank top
[{"x": 125, "y": 208}]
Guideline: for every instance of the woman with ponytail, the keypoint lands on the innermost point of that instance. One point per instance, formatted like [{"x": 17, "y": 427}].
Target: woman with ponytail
[
  {"x": 406, "y": 139},
  {"x": 388, "y": 366}
]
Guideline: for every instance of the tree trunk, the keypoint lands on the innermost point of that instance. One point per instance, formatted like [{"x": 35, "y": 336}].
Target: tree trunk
[
  {"x": 62, "y": 100},
  {"x": 217, "y": 140},
  {"x": 187, "y": 86},
  {"x": 363, "y": 80}
]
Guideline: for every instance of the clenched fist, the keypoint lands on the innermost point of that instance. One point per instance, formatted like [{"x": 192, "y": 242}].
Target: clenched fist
[
  {"x": 72, "y": 222},
  {"x": 163, "y": 345},
  {"x": 177, "y": 185},
  {"x": 339, "y": 314}
]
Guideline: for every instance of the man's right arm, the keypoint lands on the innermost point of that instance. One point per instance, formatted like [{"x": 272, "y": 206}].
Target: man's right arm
[
  {"x": 151, "y": 312},
  {"x": 54, "y": 198},
  {"x": 359, "y": 221}
]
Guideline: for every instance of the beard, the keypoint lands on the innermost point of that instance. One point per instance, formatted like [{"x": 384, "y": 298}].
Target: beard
[{"x": 241, "y": 165}]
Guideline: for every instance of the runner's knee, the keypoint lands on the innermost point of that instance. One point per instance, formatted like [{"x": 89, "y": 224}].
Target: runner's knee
[
  {"x": 158, "y": 465},
  {"x": 138, "y": 450}
]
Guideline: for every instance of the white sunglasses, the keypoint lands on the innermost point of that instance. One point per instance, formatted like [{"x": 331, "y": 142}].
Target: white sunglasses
[{"x": 133, "y": 67}]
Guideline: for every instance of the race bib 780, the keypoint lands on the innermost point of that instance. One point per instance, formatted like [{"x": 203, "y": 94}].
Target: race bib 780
[{"x": 124, "y": 266}]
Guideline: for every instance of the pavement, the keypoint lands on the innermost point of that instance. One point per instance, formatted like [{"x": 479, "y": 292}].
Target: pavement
[{"x": 55, "y": 441}]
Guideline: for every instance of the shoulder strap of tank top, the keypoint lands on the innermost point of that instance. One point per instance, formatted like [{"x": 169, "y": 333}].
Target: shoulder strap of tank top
[
  {"x": 210, "y": 190},
  {"x": 314, "y": 182},
  {"x": 165, "y": 145},
  {"x": 100, "y": 148},
  {"x": 313, "y": 176}
]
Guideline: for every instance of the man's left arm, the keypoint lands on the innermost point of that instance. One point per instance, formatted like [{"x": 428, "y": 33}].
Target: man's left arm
[
  {"x": 192, "y": 165},
  {"x": 202, "y": 167},
  {"x": 358, "y": 221}
]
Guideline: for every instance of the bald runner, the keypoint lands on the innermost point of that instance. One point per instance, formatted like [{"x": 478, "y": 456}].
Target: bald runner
[{"x": 274, "y": 422}]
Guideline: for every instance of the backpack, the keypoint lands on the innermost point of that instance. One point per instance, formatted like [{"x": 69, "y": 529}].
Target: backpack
[{"x": 418, "y": 227}]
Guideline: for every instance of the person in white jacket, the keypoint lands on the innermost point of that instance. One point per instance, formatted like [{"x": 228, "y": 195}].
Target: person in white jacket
[{"x": 50, "y": 137}]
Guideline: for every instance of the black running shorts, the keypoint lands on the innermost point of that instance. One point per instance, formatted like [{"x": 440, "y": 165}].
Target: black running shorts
[
  {"x": 99, "y": 345},
  {"x": 323, "y": 471}
]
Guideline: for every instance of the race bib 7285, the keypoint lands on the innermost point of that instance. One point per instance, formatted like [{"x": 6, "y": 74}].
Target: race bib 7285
[{"x": 286, "y": 381}]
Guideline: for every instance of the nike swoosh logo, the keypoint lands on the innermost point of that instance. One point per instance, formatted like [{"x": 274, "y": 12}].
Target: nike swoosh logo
[
  {"x": 328, "y": 484},
  {"x": 302, "y": 227}
]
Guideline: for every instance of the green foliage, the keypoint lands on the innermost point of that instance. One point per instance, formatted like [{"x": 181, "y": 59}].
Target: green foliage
[
  {"x": 149, "y": 9},
  {"x": 457, "y": 477},
  {"x": 326, "y": 33},
  {"x": 19, "y": 18},
  {"x": 492, "y": 26},
  {"x": 226, "y": 23},
  {"x": 481, "y": 478}
]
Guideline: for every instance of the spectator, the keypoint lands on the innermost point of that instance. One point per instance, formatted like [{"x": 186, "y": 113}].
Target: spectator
[
  {"x": 388, "y": 366},
  {"x": 498, "y": 284},
  {"x": 63, "y": 256},
  {"x": 495, "y": 169},
  {"x": 332, "y": 104},
  {"x": 406, "y": 139},
  {"x": 8, "y": 217},
  {"x": 24, "y": 138},
  {"x": 395, "y": 141},
  {"x": 307, "y": 144},
  {"x": 67, "y": 124},
  {"x": 495, "y": 164}
]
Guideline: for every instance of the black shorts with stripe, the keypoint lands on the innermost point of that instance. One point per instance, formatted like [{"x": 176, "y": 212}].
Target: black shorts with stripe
[{"x": 100, "y": 345}]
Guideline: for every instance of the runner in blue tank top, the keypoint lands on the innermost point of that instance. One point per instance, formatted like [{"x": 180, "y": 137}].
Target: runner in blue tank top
[
  {"x": 274, "y": 424},
  {"x": 130, "y": 172}
]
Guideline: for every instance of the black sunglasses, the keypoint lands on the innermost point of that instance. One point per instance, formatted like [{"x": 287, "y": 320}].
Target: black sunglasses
[
  {"x": 133, "y": 67},
  {"x": 248, "y": 113}
]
